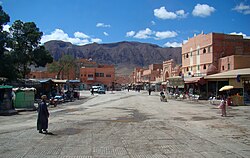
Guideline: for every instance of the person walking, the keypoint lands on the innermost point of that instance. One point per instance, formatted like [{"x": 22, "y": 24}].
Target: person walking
[
  {"x": 92, "y": 91},
  {"x": 223, "y": 107},
  {"x": 149, "y": 91},
  {"x": 43, "y": 115}
]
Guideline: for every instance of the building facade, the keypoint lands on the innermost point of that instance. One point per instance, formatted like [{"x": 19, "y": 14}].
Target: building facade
[
  {"x": 206, "y": 50},
  {"x": 103, "y": 75}
]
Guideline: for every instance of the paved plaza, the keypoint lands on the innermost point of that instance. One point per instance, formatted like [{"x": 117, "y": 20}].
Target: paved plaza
[{"x": 128, "y": 125}]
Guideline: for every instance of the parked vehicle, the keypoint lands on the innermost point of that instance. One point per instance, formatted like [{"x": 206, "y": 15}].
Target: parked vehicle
[
  {"x": 101, "y": 91},
  {"x": 95, "y": 88}
]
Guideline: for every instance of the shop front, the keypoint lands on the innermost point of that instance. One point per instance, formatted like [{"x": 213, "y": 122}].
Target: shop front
[
  {"x": 175, "y": 85},
  {"x": 239, "y": 79},
  {"x": 196, "y": 86}
]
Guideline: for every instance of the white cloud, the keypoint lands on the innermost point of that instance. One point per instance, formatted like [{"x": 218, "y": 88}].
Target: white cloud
[
  {"x": 102, "y": 25},
  {"x": 165, "y": 34},
  {"x": 130, "y": 34},
  {"x": 240, "y": 33},
  {"x": 6, "y": 28},
  {"x": 144, "y": 34},
  {"x": 242, "y": 8},
  {"x": 96, "y": 40},
  {"x": 181, "y": 14},
  {"x": 80, "y": 35},
  {"x": 105, "y": 33},
  {"x": 203, "y": 10},
  {"x": 78, "y": 39},
  {"x": 162, "y": 13},
  {"x": 148, "y": 33},
  {"x": 185, "y": 41},
  {"x": 174, "y": 44},
  {"x": 153, "y": 22}
]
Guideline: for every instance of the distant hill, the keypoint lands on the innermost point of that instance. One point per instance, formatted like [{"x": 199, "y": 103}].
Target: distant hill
[{"x": 124, "y": 55}]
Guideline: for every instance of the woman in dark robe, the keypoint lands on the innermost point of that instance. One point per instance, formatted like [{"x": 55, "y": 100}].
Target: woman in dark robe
[{"x": 43, "y": 115}]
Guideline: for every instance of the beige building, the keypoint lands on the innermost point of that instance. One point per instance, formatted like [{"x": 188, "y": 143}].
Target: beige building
[{"x": 205, "y": 52}]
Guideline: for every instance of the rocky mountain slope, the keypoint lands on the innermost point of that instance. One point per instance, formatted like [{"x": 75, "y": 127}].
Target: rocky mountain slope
[{"x": 124, "y": 55}]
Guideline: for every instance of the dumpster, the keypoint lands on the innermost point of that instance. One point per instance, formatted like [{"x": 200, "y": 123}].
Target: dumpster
[
  {"x": 25, "y": 98},
  {"x": 6, "y": 106}
]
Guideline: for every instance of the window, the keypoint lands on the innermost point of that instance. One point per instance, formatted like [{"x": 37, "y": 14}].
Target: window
[
  {"x": 191, "y": 68},
  {"x": 34, "y": 76},
  {"x": 191, "y": 54},
  {"x": 90, "y": 75},
  {"x": 187, "y": 68},
  {"x": 204, "y": 67},
  {"x": 198, "y": 52},
  {"x": 223, "y": 68},
  {"x": 228, "y": 65},
  {"x": 97, "y": 74},
  {"x": 108, "y": 75},
  {"x": 101, "y": 74},
  {"x": 204, "y": 50},
  {"x": 81, "y": 75},
  {"x": 187, "y": 55},
  {"x": 198, "y": 67}
]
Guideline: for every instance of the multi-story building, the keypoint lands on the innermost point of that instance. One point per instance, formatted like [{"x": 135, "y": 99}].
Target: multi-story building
[
  {"x": 204, "y": 51},
  {"x": 101, "y": 75},
  {"x": 153, "y": 72}
]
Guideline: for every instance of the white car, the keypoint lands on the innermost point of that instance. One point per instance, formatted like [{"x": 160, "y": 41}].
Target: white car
[{"x": 95, "y": 88}]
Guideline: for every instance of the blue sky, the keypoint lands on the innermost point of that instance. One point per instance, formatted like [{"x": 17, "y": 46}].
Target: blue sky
[{"x": 162, "y": 22}]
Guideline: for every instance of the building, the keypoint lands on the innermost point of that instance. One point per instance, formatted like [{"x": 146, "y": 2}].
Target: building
[
  {"x": 103, "y": 75},
  {"x": 234, "y": 62},
  {"x": 153, "y": 72},
  {"x": 208, "y": 50},
  {"x": 207, "y": 54},
  {"x": 171, "y": 76}
]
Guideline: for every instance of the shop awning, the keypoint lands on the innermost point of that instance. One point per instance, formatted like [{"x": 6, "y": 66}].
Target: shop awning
[
  {"x": 45, "y": 80},
  {"x": 59, "y": 81},
  {"x": 230, "y": 74},
  {"x": 194, "y": 80},
  {"x": 73, "y": 81},
  {"x": 164, "y": 83},
  {"x": 5, "y": 87},
  {"x": 155, "y": 82}
]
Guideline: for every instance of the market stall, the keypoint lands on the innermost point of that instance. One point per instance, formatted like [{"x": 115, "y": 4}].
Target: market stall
[{"x": 25, "y": 98}]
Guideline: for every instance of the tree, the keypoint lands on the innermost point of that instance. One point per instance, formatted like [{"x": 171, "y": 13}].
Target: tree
[
  {"x": 63, "y": 66},
  {"x": 6, "y": 69},
  {"x": 25, "y": 48}
]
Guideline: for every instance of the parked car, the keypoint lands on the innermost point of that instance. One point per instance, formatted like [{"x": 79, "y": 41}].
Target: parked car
[
  {"x": 101, "y": 91},
  {"x": 95, "y": 88}
]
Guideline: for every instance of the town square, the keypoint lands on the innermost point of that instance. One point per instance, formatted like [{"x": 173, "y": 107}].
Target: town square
[
  {"x": 129, "y": 124},
  {"x": 124, "y": 79}
]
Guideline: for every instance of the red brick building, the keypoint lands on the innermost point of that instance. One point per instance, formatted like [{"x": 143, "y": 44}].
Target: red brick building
[
  {"x": 87, "y": 71},
  {"x": 100, "y": 75}
]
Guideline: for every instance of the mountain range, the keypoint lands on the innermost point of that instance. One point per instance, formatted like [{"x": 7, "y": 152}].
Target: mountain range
[{"x": 124, "y": 55}]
